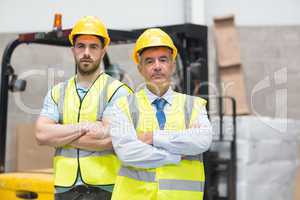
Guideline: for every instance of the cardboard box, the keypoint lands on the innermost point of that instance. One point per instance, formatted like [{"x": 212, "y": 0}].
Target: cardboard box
[
  {"x": 30, "y": 155},
  {"x": 233, "y": 85},
  {"x": 227, "y": 41}
]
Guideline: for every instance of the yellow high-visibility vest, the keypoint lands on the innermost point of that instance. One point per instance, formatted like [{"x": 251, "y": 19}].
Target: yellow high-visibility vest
[
  {"x": 95, "y": 167},
  {"x": 169, "y": 182}
]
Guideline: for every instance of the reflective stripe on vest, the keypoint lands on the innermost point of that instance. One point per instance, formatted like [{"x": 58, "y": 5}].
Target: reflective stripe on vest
[
  {"x": 164, "y": 184},
  {"x": 137, "y": 174},
  {"x": 187, "y": 185},
  {"x": 150, "y": 176},
  {"x": 72, "y": 153},
  {"x": 60, "y": 103},
  {"x": 102, "y": 96},
  {"x": 133, "y": 109},
  {"x": 188, "y": 108}
]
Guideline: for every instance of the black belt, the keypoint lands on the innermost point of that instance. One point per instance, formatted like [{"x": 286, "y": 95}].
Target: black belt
[
  {"x": 84, "y": 189},
  {"x": 84, "y": 192}
]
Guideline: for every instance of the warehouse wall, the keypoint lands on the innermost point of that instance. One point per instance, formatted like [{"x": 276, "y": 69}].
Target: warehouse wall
[
  {"x": 34, "y": 15},
  {"x": 18, "y": 16},
  {"x": 255, "y": 12},
  {"x": 271, "y": 67}
]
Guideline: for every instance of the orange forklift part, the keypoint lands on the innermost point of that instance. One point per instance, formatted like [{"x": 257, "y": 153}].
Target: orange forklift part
[{"x": 14, "y": 186}]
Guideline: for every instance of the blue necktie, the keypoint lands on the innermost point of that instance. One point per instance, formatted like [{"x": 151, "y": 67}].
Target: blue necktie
[{"x": 160, "y": 103}]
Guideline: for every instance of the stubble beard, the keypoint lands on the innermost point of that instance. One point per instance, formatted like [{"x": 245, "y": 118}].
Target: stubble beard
[{"x": 86, "y": 72}]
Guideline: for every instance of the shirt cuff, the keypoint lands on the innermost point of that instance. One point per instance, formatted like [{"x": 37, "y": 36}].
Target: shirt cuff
[{"x": 161, "y": 139}]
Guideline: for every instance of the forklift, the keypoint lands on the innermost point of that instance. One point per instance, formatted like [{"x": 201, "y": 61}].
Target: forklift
[{"x": 191, "y": 78}]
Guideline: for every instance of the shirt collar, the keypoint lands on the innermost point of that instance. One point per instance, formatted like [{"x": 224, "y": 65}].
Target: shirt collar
[
  {"x": 167, "y": 96},
  {"x": 80, "y": 88}
]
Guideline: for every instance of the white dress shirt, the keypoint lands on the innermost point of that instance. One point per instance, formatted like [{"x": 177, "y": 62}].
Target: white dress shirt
[{"x": 168, "y": 146}]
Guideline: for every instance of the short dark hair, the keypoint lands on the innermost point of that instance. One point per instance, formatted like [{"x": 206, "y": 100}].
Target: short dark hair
[{"x": 99, "y": 37}]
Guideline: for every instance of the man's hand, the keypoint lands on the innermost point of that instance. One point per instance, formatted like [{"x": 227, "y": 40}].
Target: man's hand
[
  {"x": 90, "y": 143},
  {"x": 96, "y": 137},
  {"x": 98, "y": 129},
  {"x": 146, "y": 137}
]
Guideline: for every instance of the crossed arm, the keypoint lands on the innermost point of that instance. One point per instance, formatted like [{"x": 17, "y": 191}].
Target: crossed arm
[
  {"x": 150, "y": 150},
  {"x": 192, "y": 141},
  {"x": 91, "y": 136}
]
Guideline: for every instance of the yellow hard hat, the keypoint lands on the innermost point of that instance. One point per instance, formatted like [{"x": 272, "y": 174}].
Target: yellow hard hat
[
  {"x": 153, "y": 37},
  {"x": 89, "y": 25}
]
